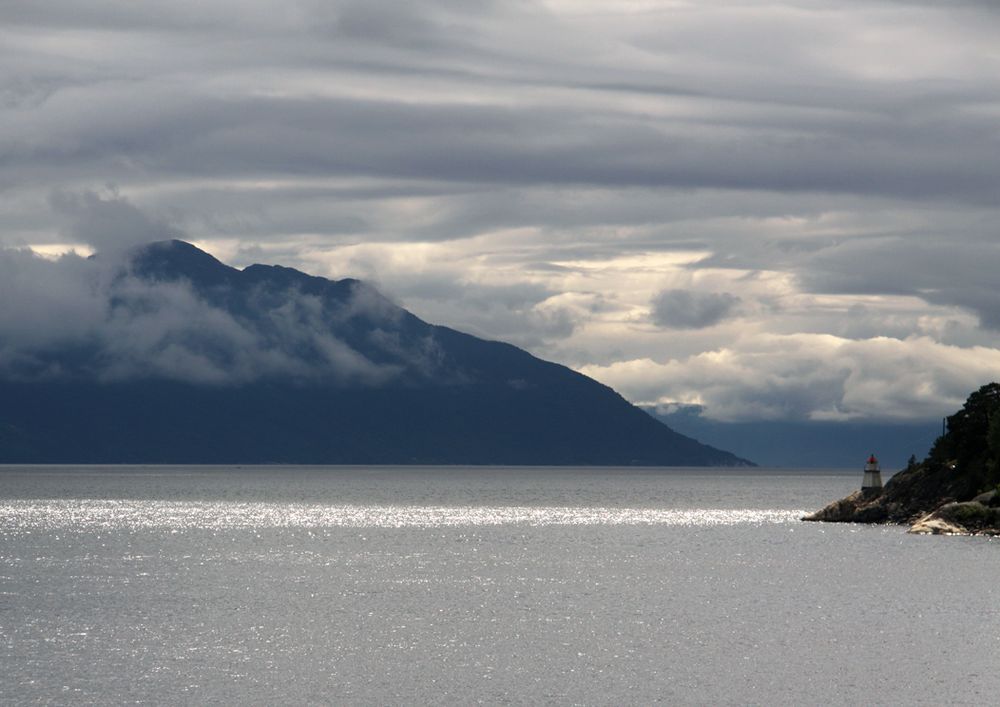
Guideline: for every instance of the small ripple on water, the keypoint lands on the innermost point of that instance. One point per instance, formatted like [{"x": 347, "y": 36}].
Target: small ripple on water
[{"x": 133, "y": 514}]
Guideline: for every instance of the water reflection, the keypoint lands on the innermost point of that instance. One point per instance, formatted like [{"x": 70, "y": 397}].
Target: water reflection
[{"x": 25, "y": 515}]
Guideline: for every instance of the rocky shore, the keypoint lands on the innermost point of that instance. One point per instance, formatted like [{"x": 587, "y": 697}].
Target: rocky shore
[
  {"x": 953, "y": 492},
  {"x": 979, "y": 516}
]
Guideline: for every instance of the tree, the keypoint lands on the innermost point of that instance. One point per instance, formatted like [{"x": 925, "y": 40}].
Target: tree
[{"x": 971, "y": 445}]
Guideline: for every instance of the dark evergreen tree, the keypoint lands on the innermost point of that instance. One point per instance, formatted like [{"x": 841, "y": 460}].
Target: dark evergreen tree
[{"x": 971, "y": 445}]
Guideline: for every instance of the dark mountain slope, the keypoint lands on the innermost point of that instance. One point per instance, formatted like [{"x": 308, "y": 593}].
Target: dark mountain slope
[{"x": 269, "y": 364}]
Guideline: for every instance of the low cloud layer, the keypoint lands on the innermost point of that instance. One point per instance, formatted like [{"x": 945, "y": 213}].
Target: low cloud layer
[
  {"x": 93, "y": 319},
  {"x": 811, "y": 377},
  {"x": 663, "y": 182}
]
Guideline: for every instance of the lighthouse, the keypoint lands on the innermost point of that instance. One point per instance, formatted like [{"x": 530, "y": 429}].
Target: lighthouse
[{"x": 873, "y": 475}]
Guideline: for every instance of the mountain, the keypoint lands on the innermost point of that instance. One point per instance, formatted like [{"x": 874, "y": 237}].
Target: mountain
[
  {"x": 807, "y": 443},
  {"x": 192, "y": 361},
  {"x": 956, "y": 489}
]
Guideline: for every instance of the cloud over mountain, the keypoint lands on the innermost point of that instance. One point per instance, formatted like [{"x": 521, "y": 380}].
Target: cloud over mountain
[
  {"x": 542, "y": 172},
  {"x": 108, "y": 223},
  {"x": 112, "y": 319}
]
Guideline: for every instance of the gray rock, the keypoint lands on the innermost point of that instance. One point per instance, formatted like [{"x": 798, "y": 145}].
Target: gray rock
[
  {"x": 931, "y": 524},
  {"x": 987, "y": 499},
  {"x": 968, "y": 518}
]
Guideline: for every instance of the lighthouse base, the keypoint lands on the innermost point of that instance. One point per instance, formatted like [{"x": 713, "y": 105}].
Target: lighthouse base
[{"x": 872, "y": 480}]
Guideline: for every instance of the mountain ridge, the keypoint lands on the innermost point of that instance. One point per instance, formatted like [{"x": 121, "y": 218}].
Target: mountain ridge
[{"x": 212, "y": 364}]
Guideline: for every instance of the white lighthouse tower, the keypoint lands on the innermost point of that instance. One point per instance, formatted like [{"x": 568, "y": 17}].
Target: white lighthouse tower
[{"x": 873, "y": 475}]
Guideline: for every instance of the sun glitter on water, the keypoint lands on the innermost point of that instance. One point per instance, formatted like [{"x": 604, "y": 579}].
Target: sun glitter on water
[{"x": 92, "y": 514}]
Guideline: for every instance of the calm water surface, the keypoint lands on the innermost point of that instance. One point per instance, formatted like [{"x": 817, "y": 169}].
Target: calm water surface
[{"x": 379, "y": 585}]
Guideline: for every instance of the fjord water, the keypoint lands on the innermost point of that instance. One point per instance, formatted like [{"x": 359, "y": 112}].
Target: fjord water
[{"x": 394, "y": 585}]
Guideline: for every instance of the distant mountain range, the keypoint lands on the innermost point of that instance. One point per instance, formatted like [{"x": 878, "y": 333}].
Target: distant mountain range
[
  {"x": 806, "y": 443},
  {"x": 194, "y": 361}
]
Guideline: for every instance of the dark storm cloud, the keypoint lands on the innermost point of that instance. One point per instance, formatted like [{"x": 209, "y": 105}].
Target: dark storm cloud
[
  {"x": 254, "y": 137},
  {"x": 687, "y": 309},
  {"x": 935, "y": 271},
  {"x": 108, "y": 223},
  {"x": 780, "y": 136},
  {"x": 839, "y": 151}
]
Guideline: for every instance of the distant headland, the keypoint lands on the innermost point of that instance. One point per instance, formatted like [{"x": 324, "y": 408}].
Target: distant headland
[{"x": 954, "y": 491}]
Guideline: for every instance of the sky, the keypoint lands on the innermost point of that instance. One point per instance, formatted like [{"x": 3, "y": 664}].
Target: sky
[{"x": 775, "y": 211}]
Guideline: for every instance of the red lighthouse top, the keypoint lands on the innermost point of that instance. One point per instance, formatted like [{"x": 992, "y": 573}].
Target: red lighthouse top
[{"x": 873, "y": 479}]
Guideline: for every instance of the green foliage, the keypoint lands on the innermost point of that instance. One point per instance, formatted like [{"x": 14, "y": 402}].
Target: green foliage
[
  {"x": 993, "y": 444},
  {"x": 972, "y": 442},
  {"x": 974, "y": 515}
]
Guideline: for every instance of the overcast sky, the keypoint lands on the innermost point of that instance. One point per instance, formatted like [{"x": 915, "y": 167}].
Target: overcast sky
[{"x": 785, "y": 210}]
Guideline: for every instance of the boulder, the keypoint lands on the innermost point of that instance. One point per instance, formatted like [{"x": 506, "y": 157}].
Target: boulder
[
  {"x": 968, "y": 518},
  {"x": 930, "y": 524}
]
